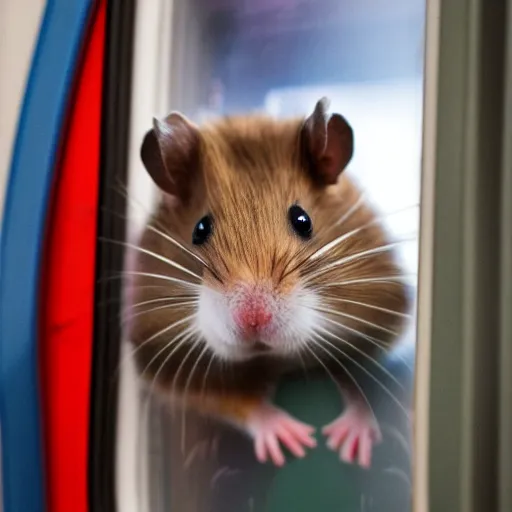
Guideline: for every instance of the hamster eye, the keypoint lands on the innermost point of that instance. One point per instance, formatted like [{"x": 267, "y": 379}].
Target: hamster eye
[
  {"x": 202, "y": 231},
  {"x": 300, "y": 221}
]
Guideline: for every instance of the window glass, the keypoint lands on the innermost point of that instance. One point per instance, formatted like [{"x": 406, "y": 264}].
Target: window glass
[{"x": 280, "y": 57}]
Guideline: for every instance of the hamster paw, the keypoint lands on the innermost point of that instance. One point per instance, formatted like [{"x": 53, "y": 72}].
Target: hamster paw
[
  {"x": 271, "y": 427},
  {"x": 353, "y": 434}
]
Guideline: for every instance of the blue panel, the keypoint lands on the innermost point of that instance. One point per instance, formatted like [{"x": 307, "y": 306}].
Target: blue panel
[{"x": 34, "y": 158}]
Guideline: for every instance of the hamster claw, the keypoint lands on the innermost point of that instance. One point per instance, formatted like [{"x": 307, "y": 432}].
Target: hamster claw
[
  {"x": 353, "y": 435},
  {"x": 272, "y": 427}
]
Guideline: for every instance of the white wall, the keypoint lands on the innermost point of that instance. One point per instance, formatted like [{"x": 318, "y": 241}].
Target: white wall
[{"x": 150, "y": 93}]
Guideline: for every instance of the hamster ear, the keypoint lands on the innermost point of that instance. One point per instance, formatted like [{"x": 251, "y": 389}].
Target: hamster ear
[
  {"x": 170, "y": 153},
  {"x": 329, "y": 143}
]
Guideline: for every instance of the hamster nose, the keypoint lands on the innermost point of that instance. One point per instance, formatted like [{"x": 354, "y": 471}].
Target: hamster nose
[{"x": 251, "y": 317}]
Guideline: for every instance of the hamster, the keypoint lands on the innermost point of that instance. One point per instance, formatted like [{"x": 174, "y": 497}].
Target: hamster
[{"x": 260, "y": 258}]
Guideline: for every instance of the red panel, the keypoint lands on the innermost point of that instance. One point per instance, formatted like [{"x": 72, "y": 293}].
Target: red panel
[{"x": 68, "y": 292}]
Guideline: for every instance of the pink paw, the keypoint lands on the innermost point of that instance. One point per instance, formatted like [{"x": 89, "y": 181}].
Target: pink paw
[
  {"x": 353, "y": 434},
  {"x": 271, "y": 426}
]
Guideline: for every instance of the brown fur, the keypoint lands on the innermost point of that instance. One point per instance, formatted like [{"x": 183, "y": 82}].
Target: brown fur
[{"x": 251, "y": 170}]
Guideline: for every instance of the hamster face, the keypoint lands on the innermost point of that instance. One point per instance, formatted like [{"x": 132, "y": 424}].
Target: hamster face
[
  {"x": 255, "y": 226},
  {"x": 278, "y": 254}
]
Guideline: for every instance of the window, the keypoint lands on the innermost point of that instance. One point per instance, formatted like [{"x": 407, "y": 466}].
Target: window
[{"x": 279, "y": 57}]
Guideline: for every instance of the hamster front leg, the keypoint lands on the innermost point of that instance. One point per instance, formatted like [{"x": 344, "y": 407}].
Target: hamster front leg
[
  {"x": 269, "y": 426},
  {"x": 356, "y": 430}
]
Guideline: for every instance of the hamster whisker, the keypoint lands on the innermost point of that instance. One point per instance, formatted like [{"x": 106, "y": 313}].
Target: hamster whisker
[
  {"x": 175, "y": 242},
  {"x": 187, "y": 385},
  {"x": 196, "y": 343},
  {"x": 207, "y": 371},
  {"x": 160, "y": 333},
  {"x": 273, "y": 262},
  {"x": 370, "y": 374},
  {"x": 129, "y": 356},
  {"x": 161, "y": 232},
  {"x": 383, "y": 215},
  {"x": 369, "y": 306},
  {"x": 278, "y": 261},
  {"x": 345, "y": 236},
  {"x": 302, "y": 362},
  {"x": 344, "y": 218},
  {"x": 357, "y": 319},
  {"x": 161, "y": 299},
  {"x": 353, "y": 209},
  {"x": 381, "y": 367},
  {"x": 345, "y": 369},
  {"x": 122, "y": 299},
  {"x": 191, "y": 253},
  {"x": 320, "y": 362},
  {"x": 398, "y": 279},
  {"x": 340, "y": 239},
  {"x": 155, "y": 255},
  {"x": 355, "y": 257},
  {"x": 382, "y": 345},
  {"x": 219, "y": 256},
  {"x": 122, "y": 189},
  {"x": 374, "y": 341},
  {"x": 174, "y": 305},
  {"x": 301, "y": 261},
  {"x": 178, "y": 341},
  {"x": 158, "y": 276}
]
